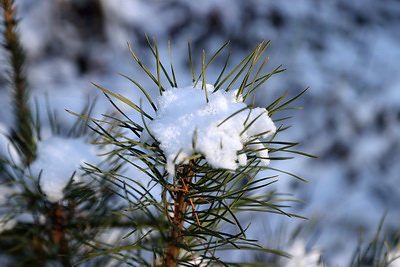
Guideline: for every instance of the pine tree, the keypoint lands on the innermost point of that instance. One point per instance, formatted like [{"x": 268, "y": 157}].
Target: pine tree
[{"x": 186, "y": 209}]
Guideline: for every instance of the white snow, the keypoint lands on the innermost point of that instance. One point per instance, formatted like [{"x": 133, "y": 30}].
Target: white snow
[
  {"x": 6, "y": 223},
  {"x": 7, "y": 149},
  {"x": 187, "y": 124},
  {"x": 394, "y": 258},
  {"x": 301, "y": 257},
  {"x": 58, "y": 160}
]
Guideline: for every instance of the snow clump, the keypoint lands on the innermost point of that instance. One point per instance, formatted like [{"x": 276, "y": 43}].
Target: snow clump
[
  {"x": 58, "y": 160},
  {"x": 186, "y": 124}
]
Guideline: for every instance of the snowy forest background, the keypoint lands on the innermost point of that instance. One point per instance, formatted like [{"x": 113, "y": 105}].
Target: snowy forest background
[{"x": 346, "y": 51}]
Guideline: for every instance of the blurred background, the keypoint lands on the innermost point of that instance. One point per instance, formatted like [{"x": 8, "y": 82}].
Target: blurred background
[{"x": 348, "y": 52}]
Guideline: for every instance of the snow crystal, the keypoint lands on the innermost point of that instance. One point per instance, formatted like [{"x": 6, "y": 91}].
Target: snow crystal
[
  {"x": 187, "y": 124},
  {"x": 58, "y": 160}
]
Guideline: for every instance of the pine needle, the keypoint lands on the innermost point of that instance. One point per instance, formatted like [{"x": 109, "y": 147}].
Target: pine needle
[{"x": 22, "y": 132}]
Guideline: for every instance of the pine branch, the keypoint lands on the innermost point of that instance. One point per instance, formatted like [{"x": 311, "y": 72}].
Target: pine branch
[
  {"x": 23, "y": 131},
  {"x": 196, "y": 198}
]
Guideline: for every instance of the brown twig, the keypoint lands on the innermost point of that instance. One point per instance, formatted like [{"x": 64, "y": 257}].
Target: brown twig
[
  {"x": 58, "y": 237},
  {"x": 184, "y": 178}
]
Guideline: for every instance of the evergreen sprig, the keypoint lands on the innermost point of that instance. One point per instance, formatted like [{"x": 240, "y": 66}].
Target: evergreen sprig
[
  {"x": 24, "y": 126},
  {"x": 185, "y": 226}
]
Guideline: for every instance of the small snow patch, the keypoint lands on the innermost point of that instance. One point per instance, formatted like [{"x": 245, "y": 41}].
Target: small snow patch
[{"x": 58, "y": 160}]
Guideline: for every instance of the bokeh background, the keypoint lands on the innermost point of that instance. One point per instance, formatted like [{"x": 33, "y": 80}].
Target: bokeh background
[{"x": 348, "y": 52}]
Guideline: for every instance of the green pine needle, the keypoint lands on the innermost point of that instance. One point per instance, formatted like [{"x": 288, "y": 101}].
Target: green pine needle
[{"x": 23, "y": 133}]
